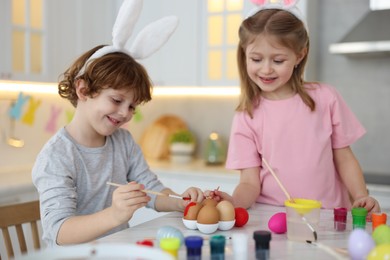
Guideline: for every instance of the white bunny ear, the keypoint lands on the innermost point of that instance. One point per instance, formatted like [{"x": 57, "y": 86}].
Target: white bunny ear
[
  {"x": 153, "y": 37},
  {"x": 124, "y": 24}
]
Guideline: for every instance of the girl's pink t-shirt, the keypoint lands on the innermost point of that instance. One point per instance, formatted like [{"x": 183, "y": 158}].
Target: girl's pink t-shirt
[{"x": 298, "y": 144}]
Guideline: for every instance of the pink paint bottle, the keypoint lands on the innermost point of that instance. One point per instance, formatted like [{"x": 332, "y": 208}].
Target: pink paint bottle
[{"x": 340, "y": 218}]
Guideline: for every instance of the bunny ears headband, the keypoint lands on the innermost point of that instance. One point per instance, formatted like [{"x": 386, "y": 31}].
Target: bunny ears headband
[
  {"x": 286, "y": 5},
  {"x": 148, "y": 40}
]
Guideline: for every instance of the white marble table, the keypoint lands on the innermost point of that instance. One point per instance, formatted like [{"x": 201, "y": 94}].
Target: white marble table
[{"x": 281, "y": 247}]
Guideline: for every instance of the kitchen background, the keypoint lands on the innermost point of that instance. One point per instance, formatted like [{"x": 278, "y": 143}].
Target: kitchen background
[
  {"x": 363, "y": 80},
  {"x": 195, "y": 77}
]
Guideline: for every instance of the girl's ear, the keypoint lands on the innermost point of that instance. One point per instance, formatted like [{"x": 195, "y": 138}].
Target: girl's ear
[
  {"x": 80, "y": 86},
  {"x": 301, "y": 55}
]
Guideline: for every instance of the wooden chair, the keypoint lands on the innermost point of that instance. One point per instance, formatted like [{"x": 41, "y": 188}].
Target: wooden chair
[{"x": 16, "y": 215}]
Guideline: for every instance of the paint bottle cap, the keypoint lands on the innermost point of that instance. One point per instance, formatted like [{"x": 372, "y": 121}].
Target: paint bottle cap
[
  {"x": 378, "y": 218},
  {"x": 340, "y": 211},
  {"x": 262, "y": 237},
  {"x": 362, "y": 212},
  {"x": 217, "y": 244},
  {"x": 194, "y": 241}
]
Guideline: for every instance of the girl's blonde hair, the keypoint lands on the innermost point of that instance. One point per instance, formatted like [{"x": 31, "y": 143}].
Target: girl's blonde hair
[
  {"x": 291, "y": 33},
  {"x": 115, "y": 70}
]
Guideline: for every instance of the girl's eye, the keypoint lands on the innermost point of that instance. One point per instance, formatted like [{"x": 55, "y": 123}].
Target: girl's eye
[
  {"x": 117, "y": 101},
  {"x": 278, "y": 61},
  {"x": 255, "y": 60}
]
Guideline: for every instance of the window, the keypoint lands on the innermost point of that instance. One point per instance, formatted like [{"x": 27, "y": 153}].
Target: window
[
  {"x": 223, "y": 20},
  {"x": 27, "y": 35}
]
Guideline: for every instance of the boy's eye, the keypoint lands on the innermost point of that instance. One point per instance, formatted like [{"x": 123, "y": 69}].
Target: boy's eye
[
  {"x": 118, "y": 101},
  {"x": 132, "y": 109}
]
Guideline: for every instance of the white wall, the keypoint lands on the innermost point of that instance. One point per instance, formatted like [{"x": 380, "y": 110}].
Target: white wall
[{"x": 203, "y": 115}]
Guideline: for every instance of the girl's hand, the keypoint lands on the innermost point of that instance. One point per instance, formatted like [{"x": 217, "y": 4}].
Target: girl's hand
[
  {"x": 218, "y": 195},
  {"x": 126, "y": 200},
  {"x": 367, "y": 202}
]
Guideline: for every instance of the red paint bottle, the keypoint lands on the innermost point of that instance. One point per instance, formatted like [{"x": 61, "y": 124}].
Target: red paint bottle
[{"x": 340, "y": 218}]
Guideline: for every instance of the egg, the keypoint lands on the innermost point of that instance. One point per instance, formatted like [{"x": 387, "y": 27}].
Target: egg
[
  {"x": 380, "y": 252},
  {"x": 242, "y": 217},
  {"x": 360, "y": 243},
  {"x": 381, "y": 234},
  {"x": 192, "y": 210},
  {"x": 209, "y": 202},
  {"x": 169, "y": 232},
  {"x": 208, "y": 215},
  {"x": 226, "y": 211},
  {"x": 278, "y": 223}
]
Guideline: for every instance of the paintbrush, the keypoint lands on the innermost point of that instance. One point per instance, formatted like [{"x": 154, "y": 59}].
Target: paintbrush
[
  {"x": 336, "y": 252},
  {"x": 288, "y": 196},
  {"x": 153, "y": 192}
]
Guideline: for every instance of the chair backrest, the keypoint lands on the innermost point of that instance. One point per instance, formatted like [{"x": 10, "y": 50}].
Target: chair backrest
[{"x": 16, "y": 215}]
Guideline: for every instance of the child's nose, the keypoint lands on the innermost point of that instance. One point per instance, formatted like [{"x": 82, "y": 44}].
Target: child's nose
[
  {"x": 124, "y": 111},
  {"x": 266, "y": 68}
]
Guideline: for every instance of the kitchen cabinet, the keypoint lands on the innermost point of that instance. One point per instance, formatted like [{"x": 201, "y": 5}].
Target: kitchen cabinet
[
  {"x": 71, "y": 27},
  {"x": 184, "y": 60},
  {"x": 68, "y": 29}
]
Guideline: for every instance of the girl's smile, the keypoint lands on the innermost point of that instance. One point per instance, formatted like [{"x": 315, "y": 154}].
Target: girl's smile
[{"x": 270, "y": 65}]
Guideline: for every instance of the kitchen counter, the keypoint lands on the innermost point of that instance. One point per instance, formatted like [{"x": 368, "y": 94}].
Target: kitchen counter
[
  {"x": 281, "y": 247},
  {"x": 16, "y": 184},
  {"x": 377, "y": 178}
]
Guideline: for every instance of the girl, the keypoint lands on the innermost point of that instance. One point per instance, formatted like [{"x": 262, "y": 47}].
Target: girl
[
  {"x": 73, "y": 168},
  {"x": 304, "y": 130}
]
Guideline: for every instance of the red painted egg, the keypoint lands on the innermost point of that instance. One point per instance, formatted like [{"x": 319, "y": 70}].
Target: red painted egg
[{"x": 242, "y": 217}]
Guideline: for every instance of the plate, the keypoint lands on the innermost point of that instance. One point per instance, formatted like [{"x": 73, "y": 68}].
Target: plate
[{"x": 96, "y": 251}]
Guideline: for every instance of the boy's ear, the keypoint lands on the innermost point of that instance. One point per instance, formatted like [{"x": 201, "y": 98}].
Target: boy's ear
[{"x": 80, "y": 86}]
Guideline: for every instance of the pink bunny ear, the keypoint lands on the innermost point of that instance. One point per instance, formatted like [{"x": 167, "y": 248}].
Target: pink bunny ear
[
  {"x": 288, "y": 3},
  {"x": 284, "y": 3},
  {"x": 258, "y": 2}
]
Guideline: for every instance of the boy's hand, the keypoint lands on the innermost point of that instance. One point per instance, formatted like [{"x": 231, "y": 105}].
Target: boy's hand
[
  {"x": 195, "y": 194},
  {"x": 126, "y": 199}
]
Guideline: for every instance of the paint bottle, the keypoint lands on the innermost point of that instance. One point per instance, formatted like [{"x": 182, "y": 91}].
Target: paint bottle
[
  {"x": 340, "y": 218},
  {"x": 170, "y": 245},
  {"x": 359, "y": 218},
  {"x": 378, "y": 219},
  {"x": 194, "y": 247},
  {"x": 262, "y": 240},
  {"x": 240, "y": 246},
  {"x": 217, "y": 247}
]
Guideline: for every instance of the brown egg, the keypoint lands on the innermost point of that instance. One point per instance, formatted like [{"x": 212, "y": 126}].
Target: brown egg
[
  {"x": 209, "y": 202},
  {"x": 192, "y": 210},
  {"x": 208, "y": 215},
  {"x": 226, "y": 211}
]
